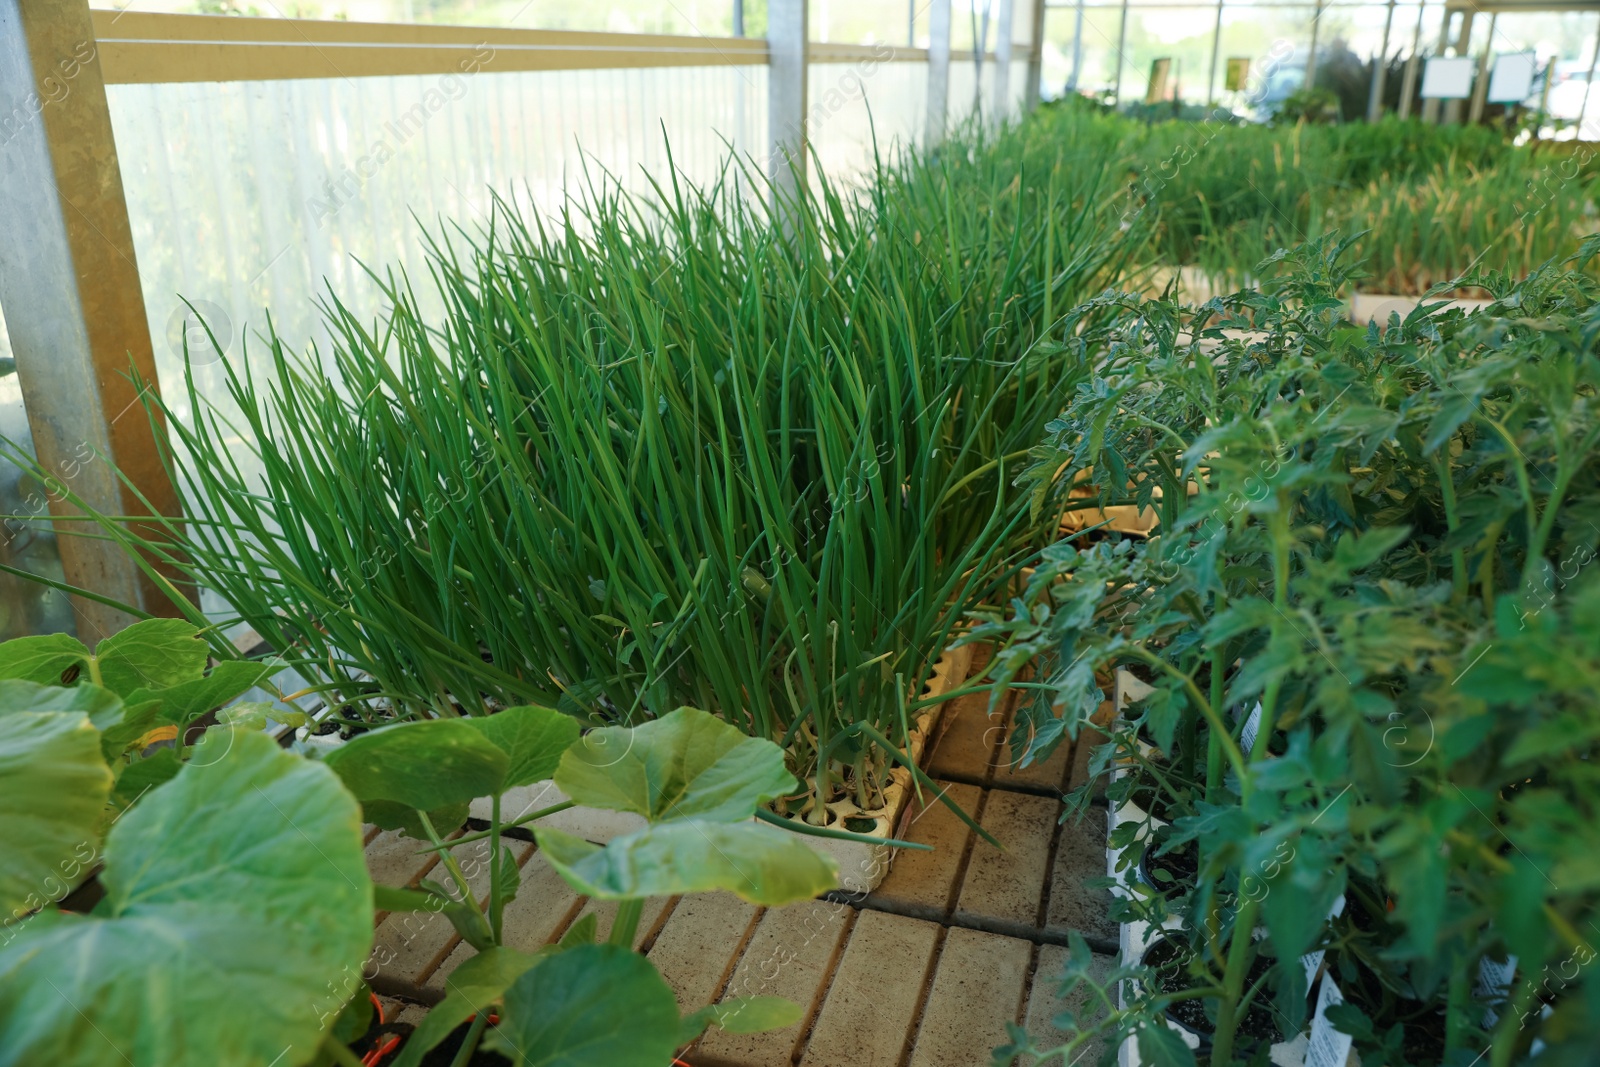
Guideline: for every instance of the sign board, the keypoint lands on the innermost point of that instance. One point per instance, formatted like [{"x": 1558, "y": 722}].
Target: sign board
[
  {"x": 1158, "y": 80},
  {"x": 1446, "y": 78},
  {"x": 1238, "y": 74},
  {"x": 1512, "y": 79}
]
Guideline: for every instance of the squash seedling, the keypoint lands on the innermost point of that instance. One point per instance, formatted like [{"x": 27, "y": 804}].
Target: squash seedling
[
  {"x": 236, "y": 878},
  {"x": 697, "y": 782}
]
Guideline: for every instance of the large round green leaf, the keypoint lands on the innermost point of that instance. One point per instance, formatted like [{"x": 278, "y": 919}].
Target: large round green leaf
[
  {"x": 42, "y": 659},
  {"x": 472, "y": 987},
  {"x": 590, "y": 1006},
  {"x": 103, "y": 707},
  {"x": 760, "y": 864},
  {"x": 533, "y": 739},
  {"x": 237, "y": 916},
  {"x": 54, "y": 785},
  {"x": 188, "y": 700},
  {"x": 421, "y": 765},
  {"x": 151, "y": 654},
  {"x": 684, "y": 765}
]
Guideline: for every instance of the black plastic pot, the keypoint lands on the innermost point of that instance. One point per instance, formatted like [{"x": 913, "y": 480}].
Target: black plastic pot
[
  {"x": 1425, "y": 1025},
  {"x": 1256, "y": 1029},
  {"x": 383, "y": 1039},
  {"x": 1171, "y": 872},
  {"x": 444, "y": 1053},
  {"x": 1153, "y": 800}
]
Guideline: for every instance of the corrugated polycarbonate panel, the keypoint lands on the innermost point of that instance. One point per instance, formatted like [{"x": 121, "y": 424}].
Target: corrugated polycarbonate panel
[
  {"x": 855, "y": 105},
  {"x": 963, "y": 100},
  {"x": 249, "y": 197}
]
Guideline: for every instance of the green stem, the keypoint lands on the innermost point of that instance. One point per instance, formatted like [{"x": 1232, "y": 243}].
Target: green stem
[
  {"x": 1514, "y": 457},
  {"x": 1456, "y": 1024},
  {"x": 340, "y": 1051},
  {"x": 1245, "y": 921},
  {"x": 1458, "y": 556},
  {"x": 1235, "y": 756},
  {"x": 469, "y": 838},
  {"x": 470, "y": 1044},
  {"x": 800, "y": 826},
  {"x": 980, "y": 472},
  {"x": 1233, "y": 984},
  {"x": 626, "y": 925},
  {"x": 1219, "y": 663},
  {"x": 467, "y": 895},
  {"x": 1282, "y": 545},
  {"x": 1547, "y": 522},
  {"x": 1491, "y": 542},
  {"x": 497, "y": 904},
  {"x": 1188, "y": 742},
  {"x": 922, "y": 779},
  {"x": 1510, "y": 1025}
]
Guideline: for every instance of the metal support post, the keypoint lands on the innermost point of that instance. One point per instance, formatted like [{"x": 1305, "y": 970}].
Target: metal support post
[
  {"x": 1311, "y": 55},
  {"x": 786, "y": 95},
  {"x": 1002, "y": 62},
  {"x": 1030, "y": 99},
  {"x": 1461, "y": 48},
  {"x": 1380, "y": 69},
  {"x": 1122, "y": 41},
  {"x": 1216, "y": 50},
  {"x": 938, "y": 70},
  {"x": 1480, "y": 87},
  {"x": 1408, "y": 83}
]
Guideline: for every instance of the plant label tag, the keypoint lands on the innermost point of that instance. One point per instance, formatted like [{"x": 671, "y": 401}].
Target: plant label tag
[
  {"x": 1494, "y": 981},
  {"x": 1247, "y": 736},
  {"x": 1313, "y": 960},
  {"x": 1328, "y": 1047}
]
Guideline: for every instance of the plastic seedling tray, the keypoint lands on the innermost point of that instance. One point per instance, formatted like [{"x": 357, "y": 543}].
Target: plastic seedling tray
[
  {"x": 1369, "y": 307},
  {"x": 861, "y": 866}
]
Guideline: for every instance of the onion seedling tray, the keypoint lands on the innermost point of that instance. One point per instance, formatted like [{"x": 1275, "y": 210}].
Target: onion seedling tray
[{"x": 862, "y": 866}]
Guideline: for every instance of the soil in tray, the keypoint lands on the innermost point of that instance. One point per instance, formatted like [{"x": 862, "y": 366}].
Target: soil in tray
[
  {"x": 1423, "y": 1040},
  {"x": 1256, "y": 1029},
  {"x": 1154, "y": 800},
  {"x": 345, "y": 722},
  {"x": 1170, "y": 871}
]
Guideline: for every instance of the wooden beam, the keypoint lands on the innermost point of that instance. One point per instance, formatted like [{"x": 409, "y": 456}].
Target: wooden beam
[
  {"x": 159, "y": 49},
  {"x": 69, "y": 285},
  {"x": 817, "y": 52}
]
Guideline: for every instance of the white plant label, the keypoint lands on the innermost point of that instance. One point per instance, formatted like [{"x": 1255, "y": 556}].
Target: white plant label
[
  {"x": 1132, "y": 688},
  {"x": 1328, "y": 1047},
  {"x": 1313, "y": 960},
  {"x": 1494, "y": 982},
  {"x": 1247, "y": 736}
]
